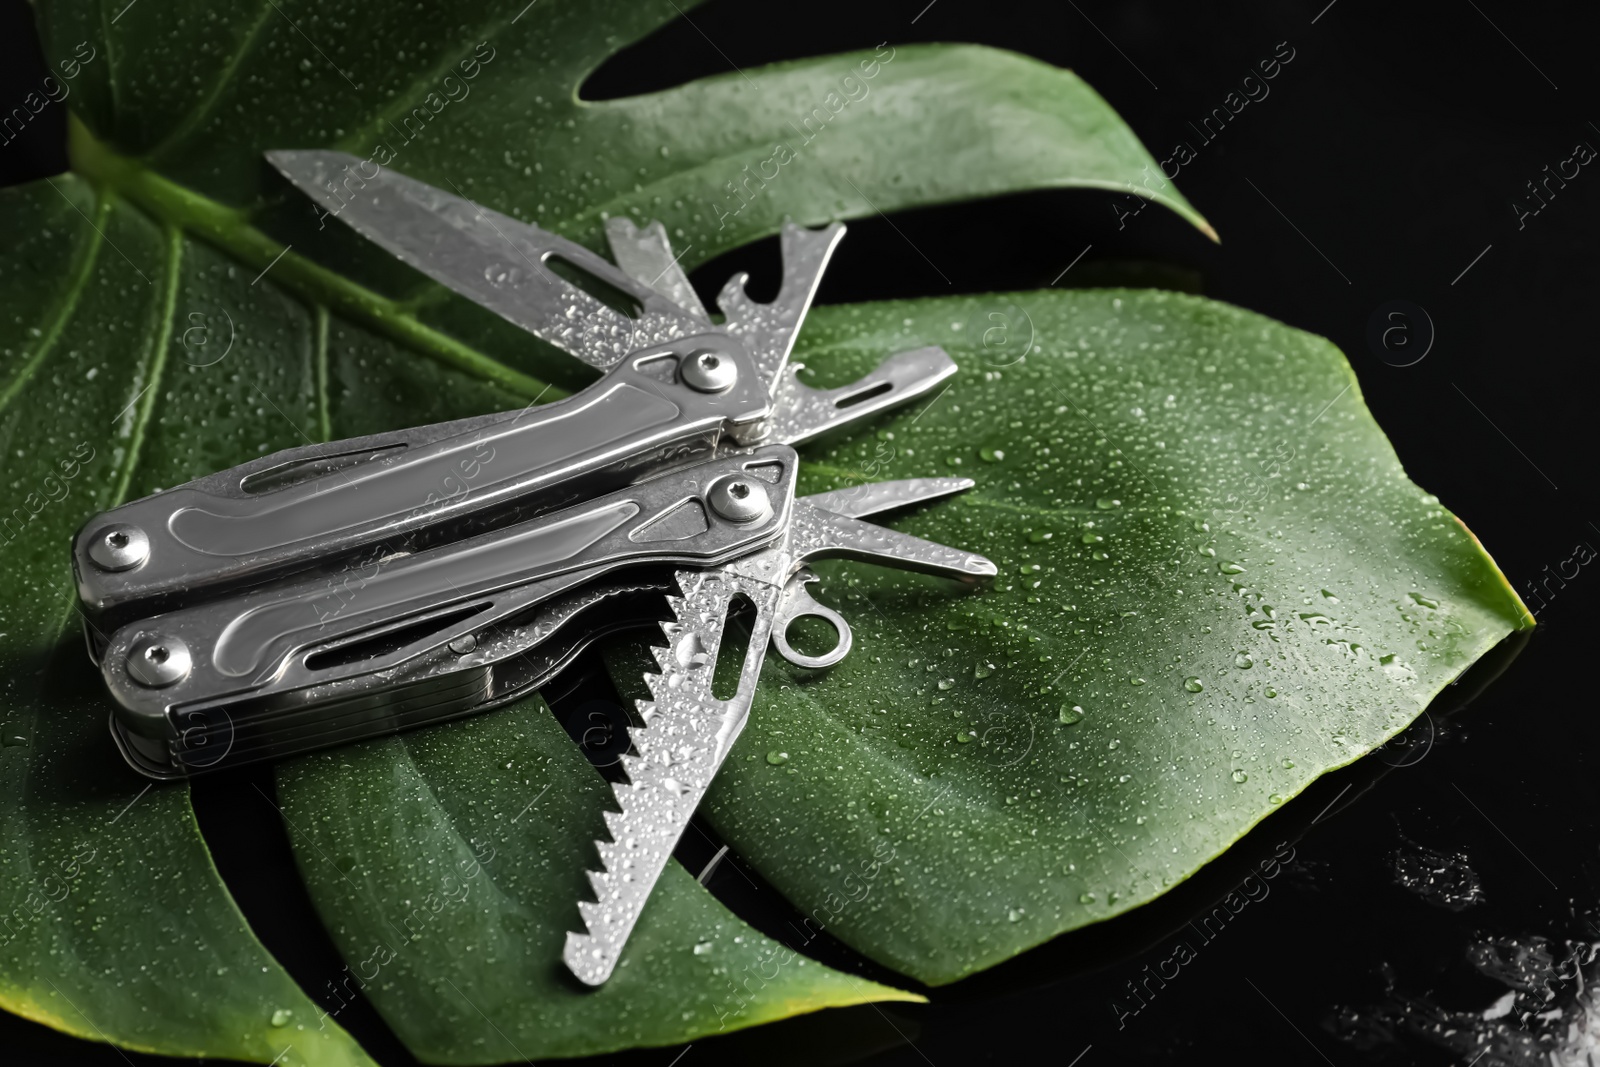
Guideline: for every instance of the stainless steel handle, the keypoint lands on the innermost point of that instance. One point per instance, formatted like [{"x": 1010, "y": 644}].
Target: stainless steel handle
[
  {"x": 501, "y": 664},
  {"x": 315, "y": 505},
  {"x": 309, "y": 630}
]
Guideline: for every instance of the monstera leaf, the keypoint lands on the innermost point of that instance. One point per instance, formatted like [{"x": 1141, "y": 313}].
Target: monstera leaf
[{"x": 1217, "y": 582}]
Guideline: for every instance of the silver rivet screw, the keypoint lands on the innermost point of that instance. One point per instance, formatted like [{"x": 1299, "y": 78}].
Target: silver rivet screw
[
  {"x": 740, "y": 500},
  {"x": 119, "y": 548},
  {"x": 157, "y": 661},
  {"x": 464, "y": 644},
  {"x": 708, "y": 371}
]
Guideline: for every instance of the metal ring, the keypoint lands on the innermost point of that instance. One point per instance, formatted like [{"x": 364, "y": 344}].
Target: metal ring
[{"x": 803, "y": 605}]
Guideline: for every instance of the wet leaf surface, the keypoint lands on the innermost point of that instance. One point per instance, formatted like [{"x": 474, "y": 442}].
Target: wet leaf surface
[
  {"x": 1216, "y": 584},
  {"x": 158, "y": 326}
]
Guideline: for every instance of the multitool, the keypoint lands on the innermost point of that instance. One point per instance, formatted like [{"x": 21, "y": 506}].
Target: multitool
[{"x": 339, "y": 591}]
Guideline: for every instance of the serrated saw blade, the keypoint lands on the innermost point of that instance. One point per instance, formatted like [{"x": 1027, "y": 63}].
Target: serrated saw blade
[{"x": 687, "y": 733}]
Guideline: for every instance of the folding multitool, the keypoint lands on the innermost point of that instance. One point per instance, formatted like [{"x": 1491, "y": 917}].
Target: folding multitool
[{"x": 338, "y": 591}]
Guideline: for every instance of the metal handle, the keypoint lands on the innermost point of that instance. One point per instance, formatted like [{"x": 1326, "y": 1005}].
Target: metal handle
[
  {"x": 306, "y": 631},
  {"x": 320, "y": 504}
]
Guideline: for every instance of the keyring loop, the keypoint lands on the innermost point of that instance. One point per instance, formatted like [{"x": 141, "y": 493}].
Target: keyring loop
[{"x": 797, "y": 604}]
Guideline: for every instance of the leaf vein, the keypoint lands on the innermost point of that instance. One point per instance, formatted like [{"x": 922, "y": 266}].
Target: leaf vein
[
  {"x": 403, "y": 98},
  {"x": 320, "y": 364},
  {"x": 222, "y": 227},
  {"x": 111, "y": 57},
  {"x": 203, "y": 109},
  {"x": 160, "y": 338},
  {"x": 87, "y": 255}
]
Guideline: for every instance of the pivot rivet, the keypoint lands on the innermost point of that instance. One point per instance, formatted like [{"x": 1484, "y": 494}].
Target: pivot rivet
[
  {"x": 157, "y": 662},
  {"x": 120, "y": 547},
  {"x": 738, "y": 499},
  {"x": 708, "y": 371}
]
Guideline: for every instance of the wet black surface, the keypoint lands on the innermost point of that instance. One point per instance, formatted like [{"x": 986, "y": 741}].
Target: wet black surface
[{"x": 1438, "y": 901}]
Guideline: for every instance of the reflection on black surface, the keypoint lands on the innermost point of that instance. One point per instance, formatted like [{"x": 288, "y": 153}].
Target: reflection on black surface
[{"x": 1547, "y": 1017}]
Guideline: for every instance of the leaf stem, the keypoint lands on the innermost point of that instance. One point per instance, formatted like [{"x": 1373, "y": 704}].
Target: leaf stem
[{"x": 229, "y": 229}]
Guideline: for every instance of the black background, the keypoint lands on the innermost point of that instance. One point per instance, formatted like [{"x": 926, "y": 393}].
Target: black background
[{"x": 1382, "y": 166}]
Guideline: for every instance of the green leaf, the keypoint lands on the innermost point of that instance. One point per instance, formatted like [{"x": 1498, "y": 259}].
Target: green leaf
[
  {"x": 1216, "y": 584},
  {"x": 116, "y": 925},
  {"x": 118, "y": 908},
  {"x": 207, "y": 94},
  {"x": 452, "y": 861},
  {"x": 158, "y": 327}
]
